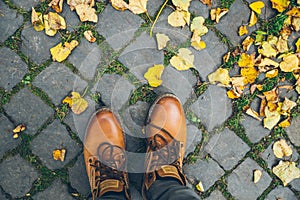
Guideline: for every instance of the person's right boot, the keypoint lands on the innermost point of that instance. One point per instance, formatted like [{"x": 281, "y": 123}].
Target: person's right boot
[{"x": 166, "y": 133}]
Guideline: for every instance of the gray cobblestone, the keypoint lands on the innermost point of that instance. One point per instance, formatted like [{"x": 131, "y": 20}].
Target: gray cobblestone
[
  {"x": 12, "y": 68},
  {"x": 57, "y": 190},
  {"x": 240, "y": 182},
  {"x": 2, "y": 195},
  {"x": 213, "y": 107},
  {"x": 17, "y": 176},
  {"x": 55, "y": 136},
  {"x": 194, "y": 136},
  {"x": 118, "y": 27},
  {"x": 199, "y": 9},
  {"x": 293, "y": 131},
  {"x": 26, "y": 108},
  {"x": 58, "y": 81},
  {"x": 281, "y": 193},
  {"x": 226, "y": 148},
  {"x": 206, "y": 171},
  {"x": 7, "y": 142},
  {"x": 216, "y": 195},
  {"x": 9, "y": 21},
  {"x": 26, "y": 5},
  {"x": 71, "y": 18},
  {"x": 153, "y": 7}
]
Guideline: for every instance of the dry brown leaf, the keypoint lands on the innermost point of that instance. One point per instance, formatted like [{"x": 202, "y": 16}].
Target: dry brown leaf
[
  {"x": 220, "y": 76},
  {"x": 89, "y": 36},
  {"x": 59, "y": 154},
  {"x": 153, "y": 75},
  {"x": 79, "y": 104},
  {"x": 282, "y": 149},
  {"x": 286, "y": 171},
  {"x": 289, "y": 63},
  {"x": 37, "y": 20},
  {"x": 179, "y": 18},
  {"x": 257, "y": 175},
  {"x": 183, "y": 60},
  {"x": 138, "y": 6},
  {"x": 86, "y": 13},
  {"x": 57, "y": 5},
  {"x": 53, "y": 22},
  {"x": 217, "y": 13},
  {"x": 162, "y": 40}
]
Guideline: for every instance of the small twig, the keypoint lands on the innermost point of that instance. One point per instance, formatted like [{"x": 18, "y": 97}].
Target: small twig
[
  {"x": 157, "y": 16},
  {"x": 149, "y": 17}
]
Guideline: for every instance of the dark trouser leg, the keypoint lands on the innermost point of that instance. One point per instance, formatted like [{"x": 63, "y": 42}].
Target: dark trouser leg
[
  {"x": 112, "y": 196},
  {"x": 170, "y": 189}
]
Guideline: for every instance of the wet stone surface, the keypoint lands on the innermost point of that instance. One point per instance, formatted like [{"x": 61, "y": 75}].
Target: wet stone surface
[
  {"x": 17, "y": 176},
  {"x": 29, "y": 109},
  {"x": 12, "y": 68}
]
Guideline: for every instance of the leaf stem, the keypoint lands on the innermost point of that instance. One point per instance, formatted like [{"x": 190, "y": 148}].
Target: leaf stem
[{"x": 157, "y": 16}]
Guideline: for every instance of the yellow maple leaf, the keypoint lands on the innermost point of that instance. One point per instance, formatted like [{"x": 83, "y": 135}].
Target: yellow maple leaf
[
  {"x": 220, "y": 76},
  {"x": 37, "y": 20},
  {"x": 285, "y": 123},
  {"x": 119, "y": 5},
  {"x": 162, "y": 40},
  {"x": 286, "y": 171},
  {"x": 253, "y": 19},
  {"x": 198, "y": 24},
  {"x": 179, "y": 18},
  {"x": 138, "y": 6},
  {"x": 280, "y": 5},
  {"x": 294, "y": 12},
  {"x": 86, "y": 13},
  {"x": 53, "y": 22},
  {"x": 282, "y": 149},
  {"x": 232, "y": 94},
  {"x": 289, "y": 63},
  {"x": 271, "y": 119},
  {"x": 182, "y": 4},
  {"x": 272, "y": 73},
  {"x": 298, "y": 45},
  {"x": 248, "y": 41},
  {"x": 79, "y": 104},
  {"x": 245, "y": 60},
  {"x": 257, "y": 6},
  {"x": 250, "y": 74},
  {"x": 57, "y": 5},
  {"x": 153, "y": 75},
  {"x": 183, "y": 60},
  {"x": 267, "y": 50},
  {"x": 60, "y": 53},
  {"x": 67, "y": 100},
  {"x": 89, "y": 36},
  {"x": 217, "y": 13},
  {"x": 59, "y": 154},
  {"x": 243, "y": 30}
]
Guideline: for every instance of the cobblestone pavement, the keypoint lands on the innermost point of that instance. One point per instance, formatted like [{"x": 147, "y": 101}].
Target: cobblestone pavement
[{"x": 223, "y": 145}]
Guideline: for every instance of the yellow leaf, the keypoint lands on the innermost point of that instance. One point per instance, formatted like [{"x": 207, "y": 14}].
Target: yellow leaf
[
  {"x": 272, "y": 95},
  {"x": 179, "y": 18},
  {"x": 182, "y": 4},
  {"x": 271, "y": 119},
  {"x": 89, "y": 36},
  {"x": 74, "y": 3},
  {"x": 248, "y": 41},
  {"x": 280, "y": 5},
  {"x": 53, "y": 22},
  {"x": 243, "y": 30},
  {"x": 287, "y": 106},
  {"x": 268, "y": 62},
  {"x": 294, "y": 12},
  {"x": 296, "y": 23},
  {"x": 257, "y": 6},
  {"x": 198, "y": 45},
  {"x": 286, "y": 171},
  {"x": 60, "y": 53},
  {"x": 183, "y": 60},
  {"x": 289, "y": 63},
  {"x": 15, "y": 135},
  {"x": 19, "y": 128},
  {"x": 282, "y": 45},
  {"x": 206, "y": 2},
  {"x": 259, "y": 37},
  {"x": 220, "y": 76},
  {"x": 57, "y": 5},
  {"x": 59, "y": 154},
  {"x": 79, "y": 104},
  {"x": 250, "y": 74},
  {"x": 198, "y": 24},
  {"x": 138, "y": 6},
  {"x": 119, "y": 5},
  {"x": 282, "y": 149},
  {"x": 37, "y": 20},
  {"x": 232, "y": 94},
  {"x": 68, "y": 100},
  {"x": 298, "y": 45},
  {"x": 253, "y": 19},
  {"x": 253, "y": 114},
  {"x": 162, "y": 40},
  {"x": 272, "y": 73},
  {"x": 285, "y": 123},
  {"x": 200, "y": 187},
  {"x": 86, "y": 13},
  {"x": 257, "y": 175},
  {"x": 245, "y": 61},
  {"x": 267, "y": 50},
  {"x": 153, "y": 75},
  {"x": 217, "y": 13}
]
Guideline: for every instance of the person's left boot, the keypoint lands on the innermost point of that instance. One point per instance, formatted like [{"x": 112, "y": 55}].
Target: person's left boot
[{"x": 104, "y": 155}]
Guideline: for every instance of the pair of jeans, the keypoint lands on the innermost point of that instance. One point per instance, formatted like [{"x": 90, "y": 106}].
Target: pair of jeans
[{"x": 161, "y": 189}]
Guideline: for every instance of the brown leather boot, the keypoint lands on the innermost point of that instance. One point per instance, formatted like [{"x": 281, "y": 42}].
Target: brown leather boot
[
  {"x": 104, "y": 155},
  {"x": 166, "y": 132}
]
